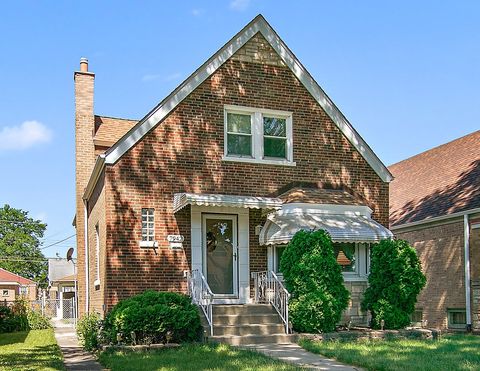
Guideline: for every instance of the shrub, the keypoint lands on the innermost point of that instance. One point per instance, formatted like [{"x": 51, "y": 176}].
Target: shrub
[
  {"x": 395, "y": 281},
  {"x": 154, "y": 317},
  {"x": 8, "y": 321},
  {"x": 88, "y": 331},
  {"x": 315, "y": 281},
  {"x": 37, "y": 321}
]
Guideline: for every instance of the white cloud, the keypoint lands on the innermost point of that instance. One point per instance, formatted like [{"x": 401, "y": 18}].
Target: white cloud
[
  {"x": 197, "y": 12},
  {"x": 152, "y": 77},
  {"x": 173, "y": 76},
  {"x": 146, "y": 78},
  {"x": 24, "y": 136},
  {"x": 239, "y": 5}
]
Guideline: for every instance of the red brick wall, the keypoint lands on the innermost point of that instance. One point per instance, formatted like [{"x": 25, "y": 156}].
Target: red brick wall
[
  {"x": 440, "y": 249},
  {"x": 183, "y": 154}
]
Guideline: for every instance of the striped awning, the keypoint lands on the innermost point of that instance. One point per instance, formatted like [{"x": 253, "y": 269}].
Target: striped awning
[
  {"x": 342, "y": 225},
  {"x": 180, "y": 200}
]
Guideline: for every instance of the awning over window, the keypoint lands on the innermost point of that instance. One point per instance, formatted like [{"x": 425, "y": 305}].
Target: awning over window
[
  {"x": 344, "y": 224},
  {"x": 180, "y": 200}
]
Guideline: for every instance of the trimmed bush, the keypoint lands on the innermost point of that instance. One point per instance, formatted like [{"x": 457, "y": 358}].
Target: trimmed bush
[
  {"x": 154, "y": 317},
  {"x": 395, "y": 280},
  {"x": 88, "y": 328},
  {"x": 314, "y": 279}
]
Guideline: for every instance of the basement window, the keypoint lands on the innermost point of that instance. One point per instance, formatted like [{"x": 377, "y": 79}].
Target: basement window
[
  {"x": 457, "y": 318},
  {"x": 258, "y": 136},
  {"x": 416, "y": 318}
]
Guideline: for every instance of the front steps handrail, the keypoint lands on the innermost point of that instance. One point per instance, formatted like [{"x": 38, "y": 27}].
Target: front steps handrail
[
  {"x": 201, "y": 295},
  {"x": 270, "y": 290}
]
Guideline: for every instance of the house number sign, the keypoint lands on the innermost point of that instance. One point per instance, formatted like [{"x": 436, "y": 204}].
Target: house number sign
[{"x": 176, "y": 241}]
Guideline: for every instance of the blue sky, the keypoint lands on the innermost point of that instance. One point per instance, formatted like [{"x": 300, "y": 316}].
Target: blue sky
[{"x": 406, "y": 74}]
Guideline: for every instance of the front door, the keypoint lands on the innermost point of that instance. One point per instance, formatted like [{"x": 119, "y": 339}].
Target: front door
[{"x": 220, "y": 254}]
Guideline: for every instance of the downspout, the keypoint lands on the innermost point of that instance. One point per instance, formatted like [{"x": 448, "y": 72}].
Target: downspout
[
  {"x": 87, "y": 270},
  {"x": 466, "y": 237}
]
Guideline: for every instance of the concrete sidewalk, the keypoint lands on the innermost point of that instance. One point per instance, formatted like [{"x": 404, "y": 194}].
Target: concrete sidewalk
[
  {"x": 75, "y": 358},
  {"x": 295, "y": 354}
]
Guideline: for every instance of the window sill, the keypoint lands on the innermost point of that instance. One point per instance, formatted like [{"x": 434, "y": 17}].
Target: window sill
[
  {"x": 148, "y": 244},
  {"x": 353, "y": 278},
  {"x": 260, "y": 162}
]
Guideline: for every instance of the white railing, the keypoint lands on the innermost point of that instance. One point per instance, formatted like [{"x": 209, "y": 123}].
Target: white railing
[
  {"x": 201, "y": 294},
  {"x": 270, "y": 290}
]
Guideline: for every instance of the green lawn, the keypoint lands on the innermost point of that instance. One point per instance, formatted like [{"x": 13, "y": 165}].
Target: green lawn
[
  {"x": 452, "y": 352},
  {"x": 30, "y": 350},
  {"x": 192, "y": 357}
]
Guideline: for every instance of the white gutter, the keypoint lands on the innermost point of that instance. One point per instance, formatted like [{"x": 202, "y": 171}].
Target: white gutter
[
  {"x": 92, "y": 182},
  {"x": 435, "y": 219},
  {"x": 87, "y": 278},
  {"x": 468, "y": 310}
]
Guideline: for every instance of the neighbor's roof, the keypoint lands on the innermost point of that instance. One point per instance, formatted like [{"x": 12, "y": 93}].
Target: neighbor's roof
[
  {"x": 319, "y": 196},
  {"x": 108, "y": 130},
  {"x": 438, "y": 182},
  {"x": 69, "y": 278},
  {"x": 7, "y": 276},
  {"x": 258, "y": 24}
]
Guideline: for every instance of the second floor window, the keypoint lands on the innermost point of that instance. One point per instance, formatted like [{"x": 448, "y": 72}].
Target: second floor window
[
  {"x": 258, "y": 135},
  {"x": 148, "y": 225}
]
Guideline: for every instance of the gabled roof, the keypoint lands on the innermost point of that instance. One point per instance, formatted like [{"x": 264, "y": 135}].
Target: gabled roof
[
  {"x": 258, "y": 24},
  {"x": 7, "y": 276},
  {"x": 441, "y": 181}
]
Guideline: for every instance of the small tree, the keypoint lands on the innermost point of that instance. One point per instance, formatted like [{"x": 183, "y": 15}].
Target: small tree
[
  {"x": 395, "y": 281},
  {"x": 315, "y": 281}
]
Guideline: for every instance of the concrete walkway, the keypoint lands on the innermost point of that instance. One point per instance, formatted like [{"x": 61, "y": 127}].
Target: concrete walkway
[
  {"x": 294, "y": 353},
  {"x": 75, "y": 358}
]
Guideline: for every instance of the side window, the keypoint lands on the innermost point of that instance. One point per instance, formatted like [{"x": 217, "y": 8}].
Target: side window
[
  {"x": 148, "y": 225},
  {"x": 457, "y": 318},
  {"x": 274, "y": 137},
  {"x": 239, "y": 134}
]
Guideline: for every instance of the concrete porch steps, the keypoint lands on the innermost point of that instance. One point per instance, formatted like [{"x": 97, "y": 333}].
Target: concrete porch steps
[{"x": 247, "y": 324}]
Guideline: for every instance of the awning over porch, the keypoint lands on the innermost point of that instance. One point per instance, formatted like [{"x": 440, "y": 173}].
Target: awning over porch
[
  {"x": 344, "y": 224},
  {"x": 180, "y": 200}
]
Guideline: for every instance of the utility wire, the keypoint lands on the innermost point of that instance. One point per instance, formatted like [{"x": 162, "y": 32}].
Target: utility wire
[{"x": 56, "y": 243}]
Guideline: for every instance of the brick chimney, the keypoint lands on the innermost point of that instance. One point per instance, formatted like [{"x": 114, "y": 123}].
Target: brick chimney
[{"x": 84, "y": 162}]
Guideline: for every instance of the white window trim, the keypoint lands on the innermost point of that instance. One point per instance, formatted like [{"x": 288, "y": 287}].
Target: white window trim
[
  {"x": 362, "y": 266},
  {"x": 257, "y": 135},
  {"x": 97, "y": 255}
]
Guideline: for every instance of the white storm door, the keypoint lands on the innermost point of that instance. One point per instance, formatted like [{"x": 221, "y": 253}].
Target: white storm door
[{"x": 220, "y": 254}]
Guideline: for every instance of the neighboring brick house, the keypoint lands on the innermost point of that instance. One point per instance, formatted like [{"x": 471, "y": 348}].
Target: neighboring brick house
[
  {"x": 13, "y": 286},
  {"x": 435, "y": 205},
  {"x": 219, "y": 176}
]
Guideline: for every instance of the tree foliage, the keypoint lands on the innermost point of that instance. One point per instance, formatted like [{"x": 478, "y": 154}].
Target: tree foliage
[
  {"x": 315, "y": 281},
  {"x": 395, "y": 281},
  {"x": 20, "y": 244}
]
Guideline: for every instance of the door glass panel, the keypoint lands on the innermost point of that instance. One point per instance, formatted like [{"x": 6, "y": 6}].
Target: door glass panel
[{"x": 219, "y": 251}]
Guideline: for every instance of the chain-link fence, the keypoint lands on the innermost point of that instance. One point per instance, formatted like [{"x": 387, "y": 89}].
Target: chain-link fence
[{"x": 63, "y": 310}]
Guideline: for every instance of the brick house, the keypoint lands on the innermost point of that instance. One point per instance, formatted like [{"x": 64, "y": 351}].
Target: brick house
[
  {"x": 219, "y": 176},
  {"x": 13, "y": 286},
  {"x": 435, "y": 205}
]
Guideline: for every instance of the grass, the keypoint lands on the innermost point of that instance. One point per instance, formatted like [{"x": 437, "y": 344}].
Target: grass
[
  {"x": 452, "y": 352},
  {"x": 30, "y": 350},
  {"x": 193, "y": 357}
]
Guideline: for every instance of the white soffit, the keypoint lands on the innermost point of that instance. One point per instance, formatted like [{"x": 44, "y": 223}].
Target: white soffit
[
  {"x": 180, "y": 200},
  {"x": 342, "y": 225},
  {"x": 258, "y": 24}
]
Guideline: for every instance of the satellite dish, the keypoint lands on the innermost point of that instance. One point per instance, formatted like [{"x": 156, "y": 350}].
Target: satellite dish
[{"x": 69, "y": 254}]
